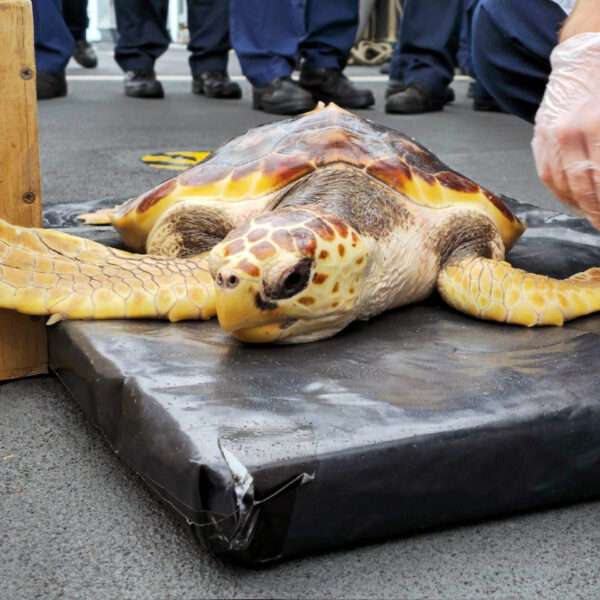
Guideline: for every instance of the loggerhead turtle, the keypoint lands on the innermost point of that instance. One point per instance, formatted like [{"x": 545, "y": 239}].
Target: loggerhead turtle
[{"x": 290, "y": 232}]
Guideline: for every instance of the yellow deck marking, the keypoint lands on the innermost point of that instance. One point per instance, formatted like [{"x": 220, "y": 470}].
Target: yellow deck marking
[{"x": 175, "y": 160}]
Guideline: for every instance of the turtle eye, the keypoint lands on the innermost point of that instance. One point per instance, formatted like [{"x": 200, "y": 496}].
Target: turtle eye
[{"x": 293, "y": 281}]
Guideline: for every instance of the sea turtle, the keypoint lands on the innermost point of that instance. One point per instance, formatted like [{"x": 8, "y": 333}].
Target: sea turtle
[{"x": 290, "y": 232}]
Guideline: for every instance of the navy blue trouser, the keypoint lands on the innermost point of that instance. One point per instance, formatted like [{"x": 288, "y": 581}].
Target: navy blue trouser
[
  {"x": 511, "y": 45},
  {"x": 428, "y": 39},
  {"x": 143, "y": 34},
  {"x": 463, "y": 53},
  {"x": 53, "y": 41},
  {"x": 76, "y": 17},
  {"x": 268, "y": 35}
]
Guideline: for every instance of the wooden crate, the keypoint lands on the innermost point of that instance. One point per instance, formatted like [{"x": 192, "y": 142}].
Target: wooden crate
[{"x": 23, "y": 343}]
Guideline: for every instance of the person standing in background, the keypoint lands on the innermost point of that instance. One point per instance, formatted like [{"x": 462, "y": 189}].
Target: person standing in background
[
  {"x": 76, "y": 18},
  {"x": 269, "y": 36},
  {"x": 424, "y": 59},
  {"x": 54, "y": 46},
  {"x": 143, "y": 37},
  {"x": 545, "y": 68}
]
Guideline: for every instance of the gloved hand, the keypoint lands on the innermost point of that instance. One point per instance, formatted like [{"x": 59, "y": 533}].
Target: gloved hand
[{"x": 566, "y": 140}]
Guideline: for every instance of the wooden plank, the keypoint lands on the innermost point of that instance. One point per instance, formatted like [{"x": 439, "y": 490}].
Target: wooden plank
[{"x": 23, "y": 342}]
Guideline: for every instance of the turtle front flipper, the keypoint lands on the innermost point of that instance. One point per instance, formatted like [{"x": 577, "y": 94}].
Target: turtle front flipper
[
  {"x": 44, "y": 272},
  {"x": 494, "y": 290}
]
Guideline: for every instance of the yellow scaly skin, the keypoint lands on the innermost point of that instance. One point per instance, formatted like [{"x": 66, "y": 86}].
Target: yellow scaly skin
[
  {"x": 252, "y": 264},
  {"x": 496, "y": 291},
  {"x": 44, "y": 272}
]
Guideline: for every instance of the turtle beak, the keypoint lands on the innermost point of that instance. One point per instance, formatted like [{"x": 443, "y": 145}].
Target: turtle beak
[
  {"x": 243, "y": 312},
  {"x": 259, "y": 334}
]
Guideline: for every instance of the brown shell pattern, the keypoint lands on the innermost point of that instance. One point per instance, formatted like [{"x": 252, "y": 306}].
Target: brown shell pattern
[{"x": 272, "y": 156}]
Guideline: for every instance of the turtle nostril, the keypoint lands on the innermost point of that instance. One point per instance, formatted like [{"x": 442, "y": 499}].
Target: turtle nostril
[{"x": 227, "y": 280}]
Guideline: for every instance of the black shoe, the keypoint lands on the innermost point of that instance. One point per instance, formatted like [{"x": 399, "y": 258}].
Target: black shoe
[
  {"x": 327, "y": 84},
  {"x": 486, "y": 104},
  {"x": 282, "y": 96},
  {"x": 142, "y": 83},
  {"x": 215, "y": 84},
  {"x": 49, "y": 86},
  {"x": 397, "y": 85},
  {"x": 85, "y": 55},
  {"x": 413, "y": 99}
]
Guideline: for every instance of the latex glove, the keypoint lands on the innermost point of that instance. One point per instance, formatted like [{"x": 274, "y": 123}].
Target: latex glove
[{"x": 566, "y": 140}]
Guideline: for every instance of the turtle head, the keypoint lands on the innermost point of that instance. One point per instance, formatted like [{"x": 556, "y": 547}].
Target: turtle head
[{"x": 290, "y": 276}]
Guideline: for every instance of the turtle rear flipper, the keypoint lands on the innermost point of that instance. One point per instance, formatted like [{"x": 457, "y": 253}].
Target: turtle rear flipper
[
  {"x": 44, "y": 272},
  {"x": 101, "y": 216},
  {"x": 494, "y": 290}
]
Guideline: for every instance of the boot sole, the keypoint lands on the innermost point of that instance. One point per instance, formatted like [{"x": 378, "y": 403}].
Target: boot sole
[
  {"x": 151, "y": 94},
  {"x": 391, "y": 90},
  {"x": 92, "y": 64},
  {"x": 58, "y": 94},
  {"x": 146, "y": 96},
  {"x": 287, "y": 108},
  {"x": 234, "y": 95},
  {"x": 486, "y": 106}
]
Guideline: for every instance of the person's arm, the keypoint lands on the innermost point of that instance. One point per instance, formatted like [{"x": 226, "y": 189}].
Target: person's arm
[
  {"x": 584, "y": 18},
  {"x": 566, "y": 142}
]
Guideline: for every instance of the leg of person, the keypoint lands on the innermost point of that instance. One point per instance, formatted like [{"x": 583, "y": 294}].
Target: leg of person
[
  {"x": 54, "y": 46},
  {"x": 425, "y": 56},
  {"x": 463, "y": 52},
  {"x": 396, "y": 75},
  {"x": 208, "y": 24},
  {"x": 511, "y": 46},
  {"x": 482, "y": 100},
  {"x": 330, "y": 33},
  {"x": 265, "y": 35},
  {"x": 76, "y": 18},
  {"x": 143, "y": 37},
  {"x": 395, "y": 70}
]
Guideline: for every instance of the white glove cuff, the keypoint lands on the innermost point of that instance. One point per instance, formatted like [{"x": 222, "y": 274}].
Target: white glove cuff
[{"x": 575, "y": 49}]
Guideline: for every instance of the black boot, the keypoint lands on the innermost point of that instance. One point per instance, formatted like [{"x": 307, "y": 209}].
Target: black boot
[
  {"x": 49, "y": 86},
  {"x": 142, "y": 83},
  {"x": 215, "y": 84},
  {"x": 85, "y": 55},
  {"x": 486, "y": 104},
  {"x": 397, "y": 85},
  {"x": 331, "y": 85},
  {"x": 282, "y": 96},
  {"x": 413, "y": 99}
]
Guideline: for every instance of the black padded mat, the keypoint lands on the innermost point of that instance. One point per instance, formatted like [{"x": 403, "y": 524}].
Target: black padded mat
[{"x": 419, "y": 418}]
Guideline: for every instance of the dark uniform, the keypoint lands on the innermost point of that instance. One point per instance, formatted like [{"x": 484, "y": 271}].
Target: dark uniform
[
  {"x": 428, "y": 40},
  {"x": 143, "y": 35},
  {"x": 76, "y": 17},
  {"x": 511, "y": 46},
  {"x": 54, "y": 43},
  {"x": 269, "y": 35}
]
